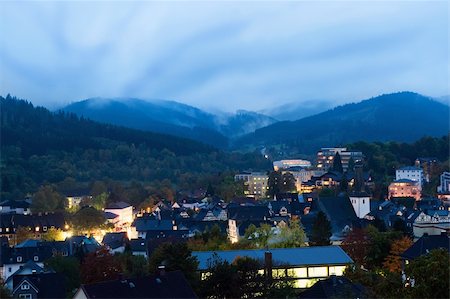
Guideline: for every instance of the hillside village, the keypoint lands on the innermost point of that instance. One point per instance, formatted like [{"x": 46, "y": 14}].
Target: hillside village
[{"x": 305, "y": 222}]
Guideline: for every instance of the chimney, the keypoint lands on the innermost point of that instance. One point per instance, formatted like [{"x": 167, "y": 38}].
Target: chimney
[{"x": 268, "y": 265}]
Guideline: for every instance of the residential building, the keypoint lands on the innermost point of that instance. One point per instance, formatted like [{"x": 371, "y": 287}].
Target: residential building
[
  {"x": 37, "y": 286},
  {"x": 412, "y": 173},
  {"x": 240, "y": 217},
  {"x": 116, "y": 242},
  {"x": 163, "y": 285},
  {"x": 15, "y": 206},
  {"x": 326, "y": 155},
  {"x": 444, "y": 183},
  {"x": 123, "y": 210},
  {"x": 424, "y": 245},
  {"x": 405, "y": 188},
  {"x": 256, "y": 183},
  {"x": 74, "y": 200},
  {"x": 286, "y": 164},
  {"x": 431, "y": 222},
  {"x": 304, "y": 265}
]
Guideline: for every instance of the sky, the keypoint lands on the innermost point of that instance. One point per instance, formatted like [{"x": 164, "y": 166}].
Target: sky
[{"x": 223, "y": 55}]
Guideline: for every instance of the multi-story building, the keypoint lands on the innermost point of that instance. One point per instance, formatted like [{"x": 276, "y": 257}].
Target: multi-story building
[
  {"x": 405, "y": 188},
  {"x": 412, "y": 173},
  {"x": 326, "y": 155},
  {"x": 429, "y": 166},
  {"x": 256, "y": 183},
  {"x": 444, "y": 186},
  {"x": 285, "y": 164}
]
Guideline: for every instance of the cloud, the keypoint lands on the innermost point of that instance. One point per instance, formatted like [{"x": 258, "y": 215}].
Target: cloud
[{"x": 222, "y": 55}]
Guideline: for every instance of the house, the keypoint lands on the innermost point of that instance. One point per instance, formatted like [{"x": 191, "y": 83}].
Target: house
[
  {"x": 115, "y": 242},
  {"x": 142, "y": 225},
  {"x": 123, "y": 210},
  {"x": 163, "y": 285},
  {"x": 138, "y": 247},
  {"x": 75, "y": 198},
  {"x": 431, "y": 222},
  {"x": 15, "y": 206},
  {"x": 39, "y": 285},
  {"x": 424, "y": 245},
  {"x": 326, "y": 155},
  {"x": 444, "y": 183},
  {"x": 29, "y": 267},
  {"x": 38, "y": 224},
  {"x": 238, "y": 215},
  {"x": 405, "y": 188},
  {"x": 335, "y": 287},
  {"x": 305, "y": 265},
  {"x": 412, "y": 173},
  {"x": 256, "y": 183}
]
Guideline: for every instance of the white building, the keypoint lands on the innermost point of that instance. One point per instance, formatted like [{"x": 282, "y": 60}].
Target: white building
[
  {"x": 256, "y": 183},
  {"x": 444, "y": 186},
  {"x": 285, "y": 164},
  {"x": 410, "y": 173},
  {"x": 123, "y": 210},
  {"x": 361, "y": 203},
  {"x": 326, "y": 155}
]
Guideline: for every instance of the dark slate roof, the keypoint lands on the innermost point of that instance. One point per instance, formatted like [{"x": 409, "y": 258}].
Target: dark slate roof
[
  {"x": 339, "y": 211},
  {"x": 118, "y": 205},
  {"x": 335, "y": 287},
  {"x": 16, "y": 220},
  {"x": 301, "y": 256},
  {"x": 115, "y": 240},
  {"x": 148, "y": 224},
  {"x": 138, "y": 244},
  {"x": 170, "y": 285},
  {"x": 15, "y": 204},
  {"x": 425, "y": 244},
  {"x": 110, "y": 215},
  {"x": 201, "y": 226},
  {"x": 161, "y": 234},
  {"x": 410, "y": 168},
  {"x": 49, "y": 285},
  {"x": 248, "y": 212},
  {"x": 10, "y": 255},
  {"x": 287, "y": 196}
]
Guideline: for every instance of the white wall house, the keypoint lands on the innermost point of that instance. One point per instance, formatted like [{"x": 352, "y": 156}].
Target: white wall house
[
  {"x": 123, "y": 210},
  {"x": 410, "y": 173},
  {"x": 444, "y": 186},
  {"x": 361, "y": 203}
]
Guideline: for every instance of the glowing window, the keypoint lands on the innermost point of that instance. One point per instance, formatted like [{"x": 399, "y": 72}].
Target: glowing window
[
  {"x": 336, "y": 270},
  {"x": 317, "y": 272}
]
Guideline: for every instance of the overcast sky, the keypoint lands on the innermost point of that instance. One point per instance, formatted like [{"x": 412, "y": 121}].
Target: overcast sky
[{"x": 223, "y": 55}]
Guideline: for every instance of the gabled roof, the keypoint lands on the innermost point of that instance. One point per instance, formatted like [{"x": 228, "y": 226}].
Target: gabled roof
[
  {"x": 138, "y": 244},
  {"x": 425, "y": 244},
  {"x": 339, "y": 211},
  {"x": 110, "y": 215},
  {"x": 335, "y": 287},
  {"x": 170, "y": 285},
  {"x": 15, "y": 204},
  {"x": 115, "y": 240},
  {"x": 301, "y": 256},
  {"x": 248, "y": 212},
  {"x": 148, "y": 224}
]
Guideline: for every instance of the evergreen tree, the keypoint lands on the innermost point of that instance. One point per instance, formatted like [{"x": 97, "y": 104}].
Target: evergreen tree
[
  {"x": 337, "y": 163},
  {"x": 343, "y": 185},
  {"x": 321, "y": 231},
  {"x": 351, "y": 165}
]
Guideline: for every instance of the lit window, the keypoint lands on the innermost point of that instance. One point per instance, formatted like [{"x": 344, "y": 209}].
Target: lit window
[
  {"x": 317, "y": 272},
  {"x": 336, "y": 270}
]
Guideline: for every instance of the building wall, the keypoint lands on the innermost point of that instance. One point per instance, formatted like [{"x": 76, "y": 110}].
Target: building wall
[
  {"x": 361, "y": 205},
  {"x": 256, "y": 183},
  {"x": 444, "y": 186},
  {"x": 125, "y": 215},
  {"x": 404, "y": 190}
]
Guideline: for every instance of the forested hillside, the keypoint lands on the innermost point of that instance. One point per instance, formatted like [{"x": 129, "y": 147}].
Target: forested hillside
[{"x": 39, "y": 147}]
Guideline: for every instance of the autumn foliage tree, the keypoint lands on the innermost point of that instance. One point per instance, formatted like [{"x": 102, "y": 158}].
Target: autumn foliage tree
[
  {"x": 357, "y": 245},
  {"x": 393, "y": 261},
  {"x": 100, "y": 266}
]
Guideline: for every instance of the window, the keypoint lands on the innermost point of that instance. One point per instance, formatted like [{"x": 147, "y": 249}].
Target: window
[
  {"x": 9, "y": 269},
  {"x": 336, "y": 270},
  {"x": 298, "y": 272},
  {"x": 19, "y": 259},
  {"x": 25, "y": 296},
  {"x": 25, "y": 286},
  {"x": 317, "y": 272},
  {"x": 36, "y": 258}
]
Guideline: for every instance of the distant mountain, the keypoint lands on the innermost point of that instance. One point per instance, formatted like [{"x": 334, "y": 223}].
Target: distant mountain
[
  {"x": 403, "y": 116},
  {"x": 294, "y": 111},
  {"x": 37, "y": 131},
  {"x": 170, "y": 117}
]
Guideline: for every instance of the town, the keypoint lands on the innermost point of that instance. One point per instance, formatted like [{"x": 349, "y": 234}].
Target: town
[{"x": 305, "y": 229}]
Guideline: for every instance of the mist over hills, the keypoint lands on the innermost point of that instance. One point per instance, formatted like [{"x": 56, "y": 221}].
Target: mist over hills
[
  {"x": 403, "y": 116},
  {"x": 171, "y": 117}
]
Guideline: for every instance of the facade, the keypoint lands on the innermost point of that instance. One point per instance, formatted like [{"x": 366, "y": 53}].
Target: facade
[
  {"x": 404, "y": 188},
  {"x": 16, "y": 207},
  {"x": 361, "y": 203},
  {"x": 285, "y": 164},
  {"x": 123, "y": 210},
  {"x": 410, "y": 173},
  {"x": 256, "y": 183},
  {"x": 306, "y": 265},
  {"x": 444, "y": 186},
  {"x": 326, "y": 155},
  {"x": 431, "y": 223}
]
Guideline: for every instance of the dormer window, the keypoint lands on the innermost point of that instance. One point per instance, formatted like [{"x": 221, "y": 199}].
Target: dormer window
[
  {"x": 19, "y": 259},
  {"x": 25, "y": 286},
  {"x": 44, "y": 228},
  {"x": 36, "y": 258}
]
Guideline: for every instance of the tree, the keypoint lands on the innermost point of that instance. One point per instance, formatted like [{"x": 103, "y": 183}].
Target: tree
[
  {"x": 321, "y": 231},
  {"x": 337, "y": 163},
  {"x": 430, "y": 273},
  {"x": 221, "y": 275},
  {"x": 393, "y": 261},
  {"x": 175, "y": 256},
  {"x": 259, "y": 236},
  {"x": 133, "y": 265},
  {"x": 280, "y": 183},
  {"x": 290, "y": 236},
  {"x": 357, "y": 244},
  {"x": 100, "y": 266},
  {"x": 88, "y": 219},
  {"x": 351, "y": 164},
  {"x": 380, "y": 245},
  {"x": 23, "y": 233},
  {"x": 53, "y": 234},
  {"x": 343, "y": 185},
  {"x": 46, "y": 199},
  {"x": 70, "y": 268}
]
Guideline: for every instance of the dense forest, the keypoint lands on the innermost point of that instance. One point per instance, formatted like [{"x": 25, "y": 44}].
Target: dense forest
[{"x": 39, "y": 147}]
